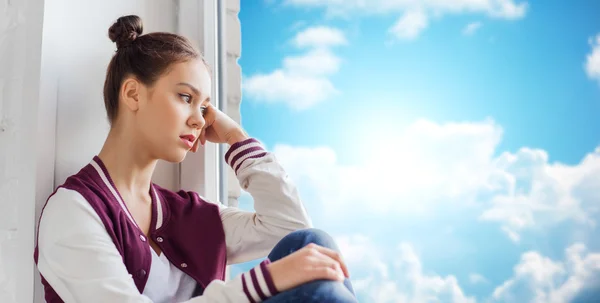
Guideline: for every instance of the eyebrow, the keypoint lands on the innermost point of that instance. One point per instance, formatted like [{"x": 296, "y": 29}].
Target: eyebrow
[{"x": 195, "y": 90}]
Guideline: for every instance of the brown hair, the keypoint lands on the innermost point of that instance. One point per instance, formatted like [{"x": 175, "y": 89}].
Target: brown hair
[{"x": 146, "y": 57}]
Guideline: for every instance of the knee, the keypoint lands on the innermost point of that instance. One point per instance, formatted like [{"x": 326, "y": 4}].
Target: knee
[
  {"x": 312, "y": 235},
  {"x": 296, "y": 240},
  {"x": 325, "y": 291}
]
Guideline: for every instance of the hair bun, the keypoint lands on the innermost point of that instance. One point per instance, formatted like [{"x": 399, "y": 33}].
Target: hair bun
[{"x": 125, "y": 30}]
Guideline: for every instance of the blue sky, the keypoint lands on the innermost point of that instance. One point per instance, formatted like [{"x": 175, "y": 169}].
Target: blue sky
[{"x": 456, "y": 141}]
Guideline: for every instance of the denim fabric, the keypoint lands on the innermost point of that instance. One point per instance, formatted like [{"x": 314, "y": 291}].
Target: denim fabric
[{"x": 315, "y": 291}]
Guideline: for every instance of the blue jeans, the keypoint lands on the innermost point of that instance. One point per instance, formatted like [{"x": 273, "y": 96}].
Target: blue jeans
[{"x": 318, "y": 290}]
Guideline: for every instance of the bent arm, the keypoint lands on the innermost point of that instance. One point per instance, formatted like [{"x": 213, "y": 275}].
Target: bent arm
[{"x": 278, "y": 207}]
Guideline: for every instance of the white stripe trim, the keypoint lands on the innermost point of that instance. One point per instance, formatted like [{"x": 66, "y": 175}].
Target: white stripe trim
[
  {"x": 246, "y": 156},
  {"x": 262, "y": 282},
  {"x": 159, "y": 211},
  {"x": 112, "y": 190},
  {"x": 251, "y": 287},
  {"x": 241, "y": 149}
]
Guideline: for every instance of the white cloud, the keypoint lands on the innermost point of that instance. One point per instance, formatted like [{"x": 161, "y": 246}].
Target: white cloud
[
  {"x": 507, "y": 9},
  {"x": 592, "y": 64},
  {"x": 409, "y": 166},
  {"x": 414, "y": 15},
  {"x": 397, "y": 279},
  {"x": 320, "y": 36},
  {"x": 541, "y": 193},
  {"x": 476, "y": 278},
  {"x": 540, "y": 279},
  {"x": 297, "y": 25},
  {"x": 417, "y": 169},
  {"x": 316, "y": 62},
  {"x": 410, "y": 25},
  {"x": 303, "y": 81},
  {"x": 429, "y": 168},
  {"x": 471, "y": 28},
  {"x": 297, "y": 91}
]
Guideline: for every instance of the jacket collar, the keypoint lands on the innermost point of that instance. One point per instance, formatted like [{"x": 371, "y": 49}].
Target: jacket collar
[{"x": 102, "y": 177}]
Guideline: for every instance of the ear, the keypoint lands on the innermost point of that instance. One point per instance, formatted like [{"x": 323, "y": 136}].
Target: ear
[{"x": 130, "y": 93}]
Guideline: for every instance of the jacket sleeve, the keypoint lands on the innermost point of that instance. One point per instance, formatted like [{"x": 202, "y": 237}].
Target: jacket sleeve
[
  {"x": 79, "y": 260},
  {"x": 278, "y": 207}
]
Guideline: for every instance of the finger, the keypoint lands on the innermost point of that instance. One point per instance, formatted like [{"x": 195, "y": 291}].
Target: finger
[
  {"x": 329, "y": 271},
  {"x": 319, "y": 260},
  {"x": 195, "y": 146},
  {"x": 202, "y": 137},
  {"x": 336, "y": 256},
  {"x": 211, "y": 136},
  {"x": 210, "y": 113},
  {"x": 323, "y": 267}
]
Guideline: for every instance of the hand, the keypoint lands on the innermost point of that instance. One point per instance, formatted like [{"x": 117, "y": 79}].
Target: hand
[
  {"x": 219, "y": 128},
  {"x": 312, "y": 262}
]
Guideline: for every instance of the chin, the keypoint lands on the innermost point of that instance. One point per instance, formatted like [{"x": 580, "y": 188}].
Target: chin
[{"x": 175, "y": 157}]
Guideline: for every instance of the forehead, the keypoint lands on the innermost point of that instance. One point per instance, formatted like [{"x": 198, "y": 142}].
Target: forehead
[{"x": 193, "y": 72}]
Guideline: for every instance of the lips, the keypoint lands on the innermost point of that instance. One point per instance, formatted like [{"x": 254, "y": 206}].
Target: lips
[
  {"x": 191, "y": 138},
  {"x": 188, "y": 140}
]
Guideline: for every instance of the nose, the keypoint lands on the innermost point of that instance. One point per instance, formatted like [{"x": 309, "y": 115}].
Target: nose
[{"x": 196, "y": 119}]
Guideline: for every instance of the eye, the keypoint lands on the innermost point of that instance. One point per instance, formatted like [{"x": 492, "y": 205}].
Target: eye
[
  {"x": 186, "y": 98},
  {"x": 204, "y": 109}
]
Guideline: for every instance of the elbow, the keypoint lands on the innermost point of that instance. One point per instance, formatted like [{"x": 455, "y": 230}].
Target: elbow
[
  {"x": 303, "y": 223},
  {"x": 295, "y": 224},
  {"x": 307, "y": 223}
]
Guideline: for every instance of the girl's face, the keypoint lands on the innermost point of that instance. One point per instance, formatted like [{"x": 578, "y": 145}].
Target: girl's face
[{"x": 170, "y": 115}]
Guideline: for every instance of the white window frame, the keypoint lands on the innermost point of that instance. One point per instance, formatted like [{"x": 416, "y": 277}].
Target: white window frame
[{"x": 202, "y": 22}]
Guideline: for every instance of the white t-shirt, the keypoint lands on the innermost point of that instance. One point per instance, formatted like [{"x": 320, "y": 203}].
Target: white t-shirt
[{"x": 167, "y": 283}]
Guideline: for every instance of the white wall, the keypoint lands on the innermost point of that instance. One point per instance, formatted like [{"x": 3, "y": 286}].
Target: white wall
[{"x": 20, "y": 48}]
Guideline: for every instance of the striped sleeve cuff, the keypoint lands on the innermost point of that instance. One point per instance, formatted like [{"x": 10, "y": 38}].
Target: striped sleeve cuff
[
  {"x": 241, "y": 151},
  {"x": 258, "y": 284}
]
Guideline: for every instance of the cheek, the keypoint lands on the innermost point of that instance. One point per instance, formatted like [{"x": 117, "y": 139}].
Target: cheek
[
  {"x": 170, "y": 115},
  {"x": 161, "y": 116}
]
